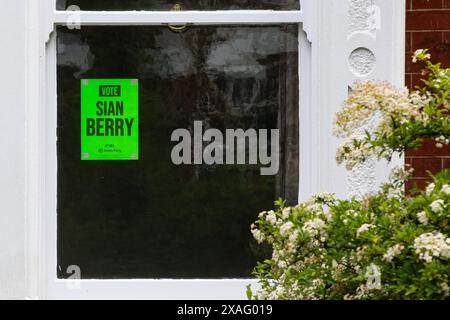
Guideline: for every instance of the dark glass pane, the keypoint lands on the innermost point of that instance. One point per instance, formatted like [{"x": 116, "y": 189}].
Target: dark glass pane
[
  {"x": 150, "y": 218},
  {"x": 186, "y": 4}
]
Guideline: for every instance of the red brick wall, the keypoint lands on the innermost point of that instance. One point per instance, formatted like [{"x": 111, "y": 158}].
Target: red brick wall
[{"x": 427, "y": 26}]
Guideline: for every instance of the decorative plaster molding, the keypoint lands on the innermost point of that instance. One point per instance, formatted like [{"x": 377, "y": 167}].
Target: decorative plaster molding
[
  {"x": 364, "y": 20},
  {"x": 361, "y": 62},
  {"x": 46, "y": 26},
  {"x": 361, "y": 180},
  {"x": 361, "y": 15},
  {"x": 310, "y": 12}
]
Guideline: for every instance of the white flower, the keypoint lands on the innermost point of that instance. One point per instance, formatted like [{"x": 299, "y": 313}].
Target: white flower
[
  {"x": 324, "y": 196},
  {"x": 315, "y": 208},
  {"x": 257, "y": 234},
  {"x": 374, "y": 100},
  {"x": 401, "y": 173},
  {"x": 271, "y": 218},
  {"x": 446, "y": 189},
  {"x": 432, "y": 245},
  {"x": 352, "y": 213},
  {"x": 286, "y": 228},
  {"x": 293, "y": 237},
  {"x": 441, "y": 142},
  {"x": 437, "y": 206},
  {"x": 373, "y": 275},
  {"x": 445, "y": 288},
  {"x": 353, "y": 154},
  {"x": 430, "y": 188},
  {"x": 364, "y": 228},
  {"x": 421, "y": 55},
  {"x": 286, "y": 213},
  {"x": 262, "y": 215},
  {"x": 315, "y": 227},
  {"x": 360, "y": 253},
  {"x": 422, "y": 217},
  {"x": 395, "y": 193},
  {"x": 392, "y": 252}
]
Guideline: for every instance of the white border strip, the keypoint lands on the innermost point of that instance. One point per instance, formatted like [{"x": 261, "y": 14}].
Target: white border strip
[
  {"x": 229, "y": 289},
  {"x": 186, "y": 17}
]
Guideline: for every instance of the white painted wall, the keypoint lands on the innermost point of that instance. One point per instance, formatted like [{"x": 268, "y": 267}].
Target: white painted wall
[
  {"x": 12, "y": 148},
  {"x": 345, "y": 25}
]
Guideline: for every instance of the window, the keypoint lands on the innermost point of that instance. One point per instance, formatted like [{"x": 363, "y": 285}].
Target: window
[{"x": 149, "y": 217}]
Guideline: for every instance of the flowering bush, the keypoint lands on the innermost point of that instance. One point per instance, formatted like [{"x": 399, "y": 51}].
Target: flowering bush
[
  {"x": 404, "y": 118},
  {"x": 387, "y": 245}
]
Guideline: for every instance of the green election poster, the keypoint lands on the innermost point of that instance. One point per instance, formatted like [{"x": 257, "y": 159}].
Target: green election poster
[{"x": 109, "y": 119}]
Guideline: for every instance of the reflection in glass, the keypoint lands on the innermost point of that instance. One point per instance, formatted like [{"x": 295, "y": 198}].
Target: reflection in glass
[
  {"x": 151, "y": 218},
  {"x": 187, "y": 4}
]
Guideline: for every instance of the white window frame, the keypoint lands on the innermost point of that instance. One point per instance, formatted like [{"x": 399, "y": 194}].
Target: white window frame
[{"x": 324, "y": 80}]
